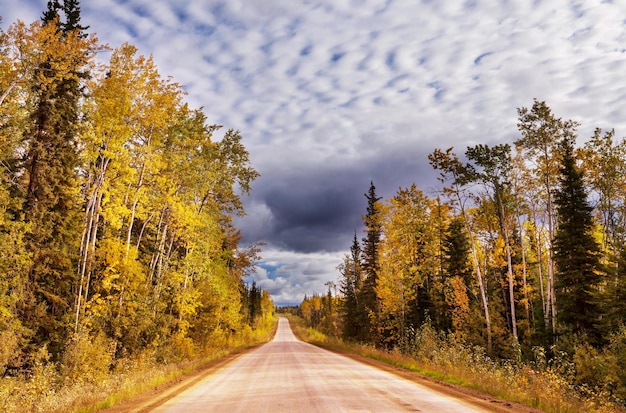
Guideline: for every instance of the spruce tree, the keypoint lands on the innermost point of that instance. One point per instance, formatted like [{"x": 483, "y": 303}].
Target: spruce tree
[
  {"x": 51, "y": 13},
  {"x": 371, "y": 242},
  {"x": 457, "y": 249},
  {"x": 576, "y": 252},
  {"x": 50, "y": 192},
  {"x": 71, "y": 12},
  {"x": 71, "y": 9},
  {"x": 459, "y": 278},
  {"x": 254, "y": 303},
  {"x": 352, "y": 311}
]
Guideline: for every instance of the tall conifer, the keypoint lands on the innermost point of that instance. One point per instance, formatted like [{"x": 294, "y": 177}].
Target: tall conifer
[
  {"x": 51, "y": 185},
  {"x": 576, "y": 252},
  {"x": 352, "y": 311},
  {"x": 370, "y": 251},
  {"x": 459, "y": 277}
]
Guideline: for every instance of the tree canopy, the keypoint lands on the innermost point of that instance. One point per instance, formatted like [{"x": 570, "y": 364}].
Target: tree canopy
[{"x": 116, "y": 205}]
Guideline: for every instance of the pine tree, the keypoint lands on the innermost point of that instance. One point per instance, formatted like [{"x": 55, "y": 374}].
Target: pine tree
[
  {"x": 576, "y": 252},
  {"x": 370, "y": 262}
]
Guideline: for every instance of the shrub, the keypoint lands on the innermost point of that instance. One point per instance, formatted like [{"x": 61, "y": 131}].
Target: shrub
[{"x": 87, "y": 358}]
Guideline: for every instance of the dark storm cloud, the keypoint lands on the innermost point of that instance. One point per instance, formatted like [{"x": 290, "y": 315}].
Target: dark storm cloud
[
  {"x": 309, "y": 212},
  {"x": 321, "y": 210}
]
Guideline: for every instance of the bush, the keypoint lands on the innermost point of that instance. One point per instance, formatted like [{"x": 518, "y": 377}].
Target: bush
[{"x": 87, "y": 359}]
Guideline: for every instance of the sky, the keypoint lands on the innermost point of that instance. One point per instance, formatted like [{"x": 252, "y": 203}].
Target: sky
[{"x": 330, "y": 95}]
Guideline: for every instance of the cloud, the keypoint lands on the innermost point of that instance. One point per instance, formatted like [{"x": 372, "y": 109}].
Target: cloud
[
  {"x": 330, "y": 94},
  {"x": 289, "y": 276},
  {"x": 27, "y": 11}
]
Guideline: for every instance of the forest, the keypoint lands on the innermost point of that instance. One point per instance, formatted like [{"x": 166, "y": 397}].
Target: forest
[
  {"x": 116, "y": 207},
  {"x": 521, "y": 253}
]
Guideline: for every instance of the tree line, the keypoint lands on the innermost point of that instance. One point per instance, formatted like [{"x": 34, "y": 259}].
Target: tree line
[
  {"x": 521, "y": 252},
  {"x": 116, "y": 203}
]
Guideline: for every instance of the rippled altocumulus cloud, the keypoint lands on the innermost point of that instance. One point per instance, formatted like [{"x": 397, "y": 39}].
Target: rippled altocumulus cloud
[{"x": 330, "y": 94}]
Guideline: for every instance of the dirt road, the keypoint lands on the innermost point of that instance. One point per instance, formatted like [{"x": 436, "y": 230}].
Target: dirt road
[{"x": 288, "y": 375}]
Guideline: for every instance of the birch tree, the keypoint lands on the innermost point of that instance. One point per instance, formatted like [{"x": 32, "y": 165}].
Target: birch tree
[
  {"x": 541, "y": 131},
  {"x": 492, "y": 166}
]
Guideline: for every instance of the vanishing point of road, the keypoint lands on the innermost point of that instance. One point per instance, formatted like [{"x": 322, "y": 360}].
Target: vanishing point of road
[{"x": 288, "y": 375}]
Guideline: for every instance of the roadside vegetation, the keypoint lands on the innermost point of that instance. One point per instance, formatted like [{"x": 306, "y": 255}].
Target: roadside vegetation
[{"x": 509, "y": 277}]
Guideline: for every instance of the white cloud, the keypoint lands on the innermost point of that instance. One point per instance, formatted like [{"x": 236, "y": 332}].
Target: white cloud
[{"x": 294, "y": 275}]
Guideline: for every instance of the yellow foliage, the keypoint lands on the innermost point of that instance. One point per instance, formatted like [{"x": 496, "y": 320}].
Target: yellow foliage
[
  {"x": 404, "y": 256},
  {"x": 157, "y": 267},
  {"x": 87, "y": 358},
  {"x": 460, "y": 306}
]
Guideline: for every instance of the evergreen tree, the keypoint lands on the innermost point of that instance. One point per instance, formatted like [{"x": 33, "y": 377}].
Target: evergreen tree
[
  {"x": 576, "y": 252},
  {"x": 352, "y": 312},
  {"x": 52, "y": 12},
  {"x": 254, "y": 303},
  {"x": 370, "y": 262},
  {"x": 459, "y": 277},
  {"x": 50, "y": 188},
  {"x": 71, "y": 9},
  {"x": 457, "y": 249}
]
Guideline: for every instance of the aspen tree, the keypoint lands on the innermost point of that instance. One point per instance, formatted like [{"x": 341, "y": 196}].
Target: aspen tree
[
  {"x": 405, "y": 253},
  {"x": 452, "y": 170},
  {"x": 492, "y": 166},
  {"x": 541, "y": 131}
]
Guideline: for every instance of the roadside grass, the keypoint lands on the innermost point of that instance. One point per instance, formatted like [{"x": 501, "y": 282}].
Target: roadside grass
[
  {"x": 48, "y": 389},
  {"x": 451, "y": 362}
]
